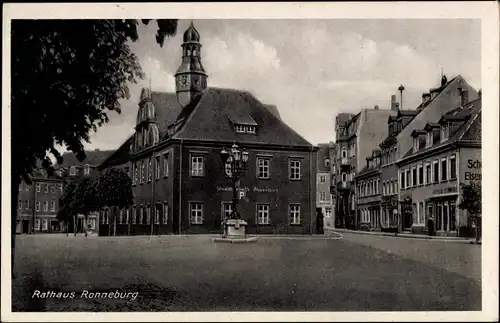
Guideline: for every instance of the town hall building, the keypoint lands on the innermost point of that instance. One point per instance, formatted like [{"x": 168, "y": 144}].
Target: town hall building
[{"x": 178, "y": 176}]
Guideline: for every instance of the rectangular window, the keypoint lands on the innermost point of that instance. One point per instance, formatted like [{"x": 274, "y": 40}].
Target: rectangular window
[
  {"x": 37, "y": 224},
  {"x": 408, "y": 178},
  {"x": 328, "y": 212},
  {"x": 86, "y": 169},
  {"x": 53, "y": 205},
  {"x": 45, "y": 224},
  {"x": 165, "y": 213},
  {"x": 421, "y": 214},
  {"x": 444, "y": 169},
  {"x": 46, "y": 188},
  {"x": 196, "y": 213},
  {"x": 435, "y": 174},
  {"x": 414, "y": 176},
  {"x": 127, "y": 215},
  {"x": 141, "y": 215},
  {"x": 38, "y": 187},
  {"x": 262, "y": 214},
  {"x": 120, "y": 216},
  {"x": 251, "y": 129},
  {"x": 45, "y": 206},
  {"x": 402, "y": 174},
  {"x": 150, "y": 169},
  {"x": 420, "y": 175},
  {"x": 72, "y": 171},
  {"x": 197, "y": 168},
  {"x": 294, "y": 213},
  {"x": 157, "y": 214},
  {"x": 239, "y": 128},
  {"x": 263, "y": 168},
  {"x": 134, "y": 214},
  {"x": 136, "y": 173},
  {"x": 148, "y": 214},
  {"x": 322, "y": 196},
  {"x": 227, "y": 209},
  {"x": 322, "y": 179},
  {"x": 428, "y": 177},
  {"x": 157, "y": 167},
  {"x": 37, "y": 206},
  {"x": 444, "y": 132},
  {"x": 165, "y": 165},
  {"x": 453, "y": 167},
  {"x": 53, "y": 189},
  {"x": 143, "y": 173},
  {"x": 294, "y": 169},
  {"x": 60, "y": 188}
]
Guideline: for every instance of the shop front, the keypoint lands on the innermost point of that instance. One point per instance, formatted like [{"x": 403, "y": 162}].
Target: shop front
[
  {"x": 389, "y": 209},
  {"x": 442, "y": 207}
]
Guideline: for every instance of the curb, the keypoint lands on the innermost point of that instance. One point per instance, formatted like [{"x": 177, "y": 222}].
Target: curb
[{"x": 405, "y": 236}]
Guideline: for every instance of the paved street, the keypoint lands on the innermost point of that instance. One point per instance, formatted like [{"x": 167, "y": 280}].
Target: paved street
[{"x": 356, "y": 273}]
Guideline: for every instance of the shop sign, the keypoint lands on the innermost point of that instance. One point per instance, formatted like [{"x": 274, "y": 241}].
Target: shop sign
[
  {"x": 247, "y": 189},
  {"x": 474, "y": 173},
  {"x": 445, "y": 190}
]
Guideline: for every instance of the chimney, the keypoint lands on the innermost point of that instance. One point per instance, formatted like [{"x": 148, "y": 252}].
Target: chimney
[
  {"x": 444, "y": 80},
  {"x": 375, "y": 107},
  {"x": 480, "y": 93}
]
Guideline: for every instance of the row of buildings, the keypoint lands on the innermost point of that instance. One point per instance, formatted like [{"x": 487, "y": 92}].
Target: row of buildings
[{"x": 396, "y": 168}]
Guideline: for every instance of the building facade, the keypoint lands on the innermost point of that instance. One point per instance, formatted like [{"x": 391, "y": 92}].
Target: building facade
[
  {"x": 179, "y": 180},
  {"x": 368, "y": 195},
  {"x": 444, "y": 155},
  {"x": 324, "y": 199},
  {"x": 38, "y": 204},
  {"x": 434, "y": 105},
  {"x": 356, "y": 137}
]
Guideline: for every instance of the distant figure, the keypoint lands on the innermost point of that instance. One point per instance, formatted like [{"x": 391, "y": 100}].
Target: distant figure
[
  {"x": 430, "y": 226},
  {"x": 319, "y": 222}
]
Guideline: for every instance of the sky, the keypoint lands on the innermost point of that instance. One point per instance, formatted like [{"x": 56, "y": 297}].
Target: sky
[{"x": 310, "y": 69}]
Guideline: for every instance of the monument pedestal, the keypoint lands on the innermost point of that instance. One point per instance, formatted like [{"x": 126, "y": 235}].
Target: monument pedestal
[{"x": 235, "y": 232}]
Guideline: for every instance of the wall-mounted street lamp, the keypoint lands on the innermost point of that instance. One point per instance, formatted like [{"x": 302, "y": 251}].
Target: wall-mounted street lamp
[{"x": 235, "y": 164}]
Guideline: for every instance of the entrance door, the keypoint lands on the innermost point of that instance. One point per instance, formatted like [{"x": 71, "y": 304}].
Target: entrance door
[
  {"x": 446, "y": 221},
  {"x": 26, "y": 226},
  {"x": 439, "y": 216}
]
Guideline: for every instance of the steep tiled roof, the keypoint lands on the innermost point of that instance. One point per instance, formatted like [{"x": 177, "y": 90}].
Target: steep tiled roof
[
  {"x": 420, "y": 107},
  {"x": 167, "y": 109},
  {"x": 274, "y": 110},
  {"x": 94, "y": 157},
  {"x": 469, "y": 130},
  {"x": 208, "y": 120}
]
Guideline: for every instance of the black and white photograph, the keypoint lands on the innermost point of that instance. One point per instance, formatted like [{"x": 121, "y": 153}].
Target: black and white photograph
[{"x": 322, "y": 160}]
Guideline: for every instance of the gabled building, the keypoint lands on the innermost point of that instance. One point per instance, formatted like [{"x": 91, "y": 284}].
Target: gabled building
[
  {"x": 356, "y": 137},
  {"x": 434, "y": 105},
  {"x": 444, "y": 155},
  {"x": 173, "y": 158}
]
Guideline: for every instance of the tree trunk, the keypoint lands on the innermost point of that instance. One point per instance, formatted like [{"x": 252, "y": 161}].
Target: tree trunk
[
  {"x": 66, "y": 223},
  {"x": 109, "y": 222},
  {"x": 114, "y": 221},
  {"x": 74, "y": 225}
]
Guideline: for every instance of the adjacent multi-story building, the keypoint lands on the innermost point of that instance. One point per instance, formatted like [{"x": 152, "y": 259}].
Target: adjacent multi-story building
[
  {"x": 356, "y": 137},
  {"x": 38, "y": 203},
  {"x": 179, "y": 181},
  {"x": 368, "y": 192},
  {"x": 324, "y": 200},
  {"x": 444, "y": 155},
  {"x": 434, "y": 105}
]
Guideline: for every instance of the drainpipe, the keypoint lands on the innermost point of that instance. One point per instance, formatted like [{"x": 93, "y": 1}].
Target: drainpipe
[
  {"x": 180, "y": 187},
  {"x": 34, "y": 207}
]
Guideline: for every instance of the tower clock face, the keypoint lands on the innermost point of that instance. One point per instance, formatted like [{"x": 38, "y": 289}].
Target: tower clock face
[{"x": 183, "y": 80}]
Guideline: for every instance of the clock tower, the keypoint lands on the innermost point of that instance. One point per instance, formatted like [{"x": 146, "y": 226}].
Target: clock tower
[{"x": 190, "y": 78}]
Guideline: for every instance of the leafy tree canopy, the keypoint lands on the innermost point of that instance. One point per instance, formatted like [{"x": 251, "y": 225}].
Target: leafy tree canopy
[
  {"x": 66, "y": 76},
  {"x": 66, "y": 212},
  {"x": 471, "y": 198},
  {"x": 86, "y": 196},
  {"x": 115, "y": 189}
]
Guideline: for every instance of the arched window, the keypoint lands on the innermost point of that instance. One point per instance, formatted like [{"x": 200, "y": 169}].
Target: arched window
[{"x": 194, "y": 52}]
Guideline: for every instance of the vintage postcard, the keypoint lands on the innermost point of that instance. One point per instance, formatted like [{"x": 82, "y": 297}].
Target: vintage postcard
[{"x": 250, "y": 162}]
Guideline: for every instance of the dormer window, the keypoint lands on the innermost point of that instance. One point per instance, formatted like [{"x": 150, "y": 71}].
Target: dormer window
[
  {"x": 415, "y": 144},
  {"x": 429, "y": 139},
  {"x": 445, "y": 129},
  {"x": 327, "y": 162},
  {"x": 72, "y": 171},
  {"x": 245, "y": 129}
]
